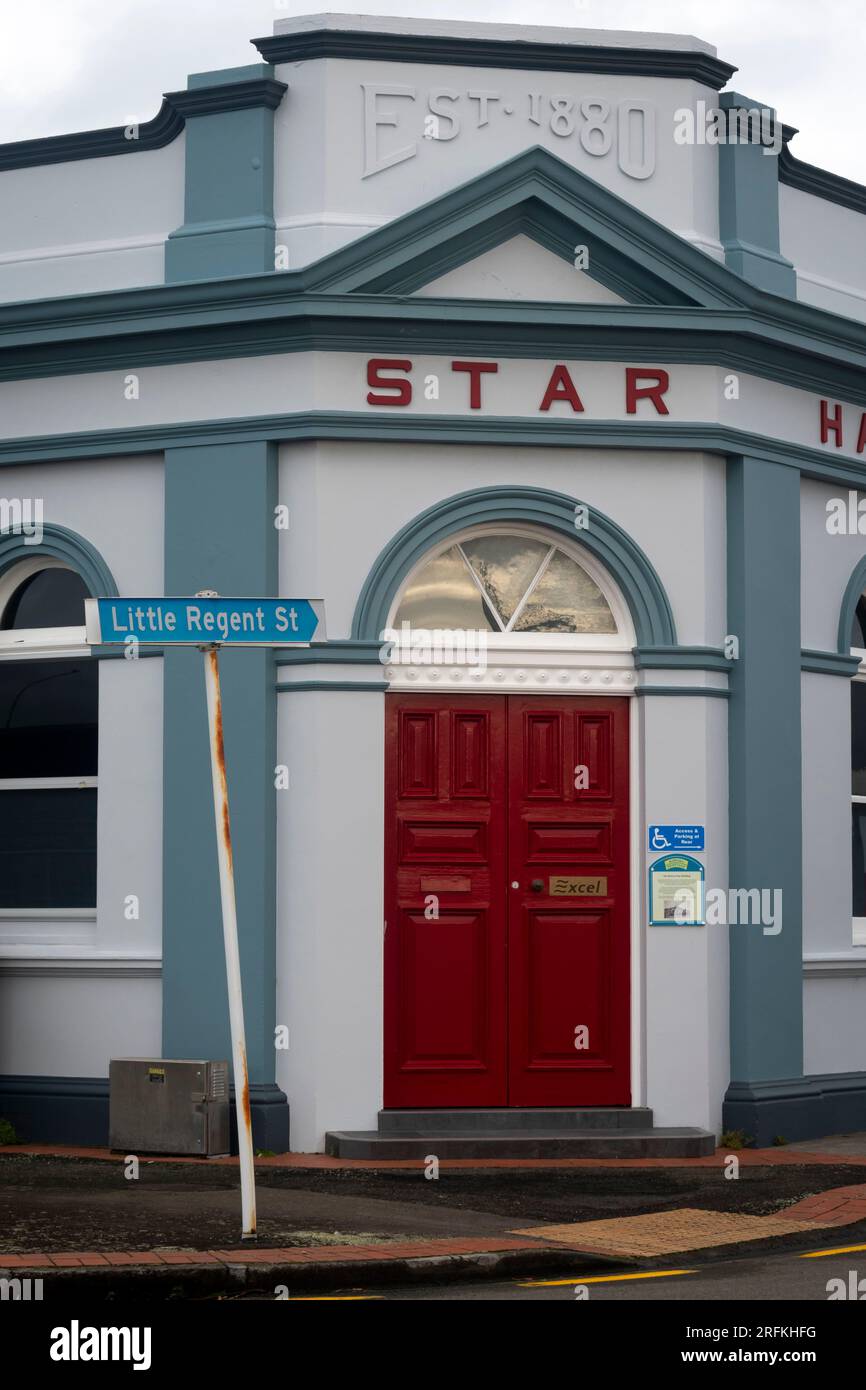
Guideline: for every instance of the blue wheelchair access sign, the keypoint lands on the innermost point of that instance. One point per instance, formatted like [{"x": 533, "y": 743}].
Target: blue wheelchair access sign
[
  {"x": 202, "y": 621},
  {"x": 680, "y": 837}
]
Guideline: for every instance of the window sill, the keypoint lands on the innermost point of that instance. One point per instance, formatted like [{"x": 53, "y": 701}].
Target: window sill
[{"x": 74, "y": 962}]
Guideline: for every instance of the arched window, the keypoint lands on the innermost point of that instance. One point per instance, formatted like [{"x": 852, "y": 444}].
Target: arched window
[
  {"x": 508, "y": 583},
  {"x": 48, "y": 740}
]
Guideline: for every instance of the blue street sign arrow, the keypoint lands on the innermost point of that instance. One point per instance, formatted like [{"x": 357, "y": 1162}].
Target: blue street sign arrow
[{"x": 240, "y": 622}]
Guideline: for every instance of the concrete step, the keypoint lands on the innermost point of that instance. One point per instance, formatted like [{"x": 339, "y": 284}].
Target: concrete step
[
  {"x": 393, "y": 1122},
  {"x": 522, "y": 1143}
]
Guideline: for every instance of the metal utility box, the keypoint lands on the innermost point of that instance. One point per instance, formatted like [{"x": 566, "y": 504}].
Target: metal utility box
[{"x": 162, "y": 1106}]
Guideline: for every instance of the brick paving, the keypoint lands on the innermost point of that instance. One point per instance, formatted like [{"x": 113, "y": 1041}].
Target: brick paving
[
  {"x": 758, "y": 1158},
  {"x": 691, "y": 1228},
  {"x": 329, "y": 1254}
]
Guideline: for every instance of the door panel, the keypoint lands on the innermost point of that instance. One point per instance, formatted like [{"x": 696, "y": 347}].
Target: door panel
[
  {"x": 568, "y": 955},
  {"x": 445, "y": 988},
  {"x": 485, "y": 983}
]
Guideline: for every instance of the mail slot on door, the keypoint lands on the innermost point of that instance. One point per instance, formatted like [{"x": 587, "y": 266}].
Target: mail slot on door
[
  {"x": 446, "y": 883},
  {"x": 582, "y": 886}
]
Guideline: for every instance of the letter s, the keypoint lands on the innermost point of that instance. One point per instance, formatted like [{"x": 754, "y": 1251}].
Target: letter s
[{"x": 403, "y": 389}]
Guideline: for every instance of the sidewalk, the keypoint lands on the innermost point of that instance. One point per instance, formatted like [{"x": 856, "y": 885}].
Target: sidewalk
[{"x": 334, "y": 1223}]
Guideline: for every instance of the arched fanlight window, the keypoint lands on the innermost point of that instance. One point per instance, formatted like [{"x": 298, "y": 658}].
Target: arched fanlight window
[
  {"x": 505, "y": 582},
  {"x": 48, "y": 741}
]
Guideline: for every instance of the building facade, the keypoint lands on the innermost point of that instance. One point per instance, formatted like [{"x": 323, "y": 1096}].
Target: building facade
[{"x": 540, "y": 361}]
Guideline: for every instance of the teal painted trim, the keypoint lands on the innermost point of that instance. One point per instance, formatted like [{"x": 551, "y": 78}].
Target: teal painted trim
[
  {"x": 821, "y": 183},
  {"x": 710, "y": 690},
  {"x": 800, "y": 1108},
  {"x": 764, "y": 765},
  {"x": 853, "y": 590},
  {"x": 749, "y": 203},
  {"x": 303, "y": 687},
  {"x": 60, "y": 342},
  {"x": 248, "y": 87},
  {"x": 229, "y": 201},
  {"x": 681, "y": 658},
  {"x": 441, "y": 429},
  {"x": 538, "y": 194},
  {"x": 481, "y": 52},
  {"x": 617, "y": 552},
  {"x": 736, "y": 323},
  {"x": 341, "y": 650},
  {"x": 829, "y": 663},
  {"x": 219, "y": 533},
  {"x": 62, "y": 544},
  {"x": 154, "y": 134}
]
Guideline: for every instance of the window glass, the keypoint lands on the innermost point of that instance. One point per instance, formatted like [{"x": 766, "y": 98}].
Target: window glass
[
  {"x": 49, "y": 714},
  {"x": 565, "y": 599},
  {"x": 444, "y": 594},
  {"x": 48, "y": 848},
  {"x": 49, "y": 598},
  {"x": 858, "y": 738},
  {"x": 859, "y": 857},
  {"x": 48, "y": 718},
  {"x": 529, "y": 586},
  {"x": 506, "y": 566}
]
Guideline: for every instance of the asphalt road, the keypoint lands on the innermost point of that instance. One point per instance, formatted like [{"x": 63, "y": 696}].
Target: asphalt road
[{"x": 774, "y": 1277}]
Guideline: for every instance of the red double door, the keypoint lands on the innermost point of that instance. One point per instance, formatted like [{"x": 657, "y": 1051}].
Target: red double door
[{"x": 507, "y": 901}]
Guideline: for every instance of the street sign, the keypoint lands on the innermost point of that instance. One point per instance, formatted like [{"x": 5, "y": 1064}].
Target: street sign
[
  {"x": 208, "y": 622},
  {"x": 199, "y": 621},
  {"x": 684, "y": 837}
]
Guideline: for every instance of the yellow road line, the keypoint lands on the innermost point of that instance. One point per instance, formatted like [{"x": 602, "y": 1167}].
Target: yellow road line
[
  {"x": 604, "y": 1278},
  {"x": 839, "y": 1250}
]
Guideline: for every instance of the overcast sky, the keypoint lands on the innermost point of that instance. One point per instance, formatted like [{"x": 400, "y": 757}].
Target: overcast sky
[{"x": 78, "y": 64}]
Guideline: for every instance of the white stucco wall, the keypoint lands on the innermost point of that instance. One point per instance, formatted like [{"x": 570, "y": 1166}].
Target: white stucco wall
[
  {"x": 834, "y": 968},
  {"x": 346, "y": 501},
  {"x": 825, "y": 243},
  {"x": 76, "y": 990},
  {"x": 330, "y": 915},
  {"x": 89, "y": 224},
  {"x": 322, "y": 203}
]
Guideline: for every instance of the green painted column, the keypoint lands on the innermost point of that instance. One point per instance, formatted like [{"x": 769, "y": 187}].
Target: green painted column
[
  {"x": 765, "y": 796},
  {"x": 220, "y": 534},
  {"x": 749, "y": 198},
  {"x": 228, "y": 224}
]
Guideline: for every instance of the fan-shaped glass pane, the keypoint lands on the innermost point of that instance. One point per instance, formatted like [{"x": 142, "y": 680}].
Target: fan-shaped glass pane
[
  {"x": 445, "y": 595},
  {"x": 49, "y": 598},
  {"x": 565, "y": 599},
  {"x": 858, "y": 629},
  {"x": 506, "y": 566}
]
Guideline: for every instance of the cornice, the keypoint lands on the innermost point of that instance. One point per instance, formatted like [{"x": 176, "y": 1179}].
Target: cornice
[
  {"x": 165, "y": 126},
  {"x": 228, "y": 96},
  {"x": 382, "y": 427},
  {"x": 481, "y": 52},
  {"x": 821, "y": 183},
  {"x": 208, "y": 321}
]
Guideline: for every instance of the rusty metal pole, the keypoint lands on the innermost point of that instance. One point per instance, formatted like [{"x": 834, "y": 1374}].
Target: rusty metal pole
[{"x": 230, "y": 936}]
